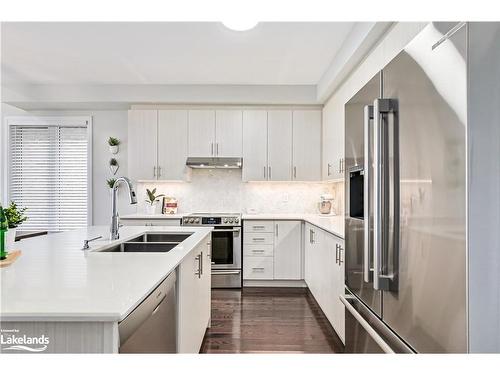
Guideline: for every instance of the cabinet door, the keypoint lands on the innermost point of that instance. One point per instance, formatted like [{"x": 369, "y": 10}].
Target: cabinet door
[
  {"x": 201, "y": 134},
  {"x": 338, "y": 280},
  {"x": 228, "y": 133},
  {"x": 307, "y": 145},
  {"x": 172, "y": 144},
  {"x": 142, "y": 144},
  {"x": 193, "y": 300},
  {"x": 279, "y": 142},
  {"x": 333, "y": 142},
  {"x": 254, "y": 145},
  {"x": 287, "y": 250},
  {"x": 206, "y": 282}
]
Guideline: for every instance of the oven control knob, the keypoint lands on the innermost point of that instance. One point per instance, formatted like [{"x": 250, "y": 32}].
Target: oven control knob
[
  {"x": 191, "y": 220},
  {"x": 197, "y": 220},
  {"x": 236, "y": 220},
  {"x": 186, "y": 220},
  {"x": 230, "y": 220},
  {"x": 225, "y": 220}
]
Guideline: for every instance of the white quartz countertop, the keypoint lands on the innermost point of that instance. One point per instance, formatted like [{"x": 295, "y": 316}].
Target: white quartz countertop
[
  {"x": 55, "y": 280},
  {"x": 329, "y": 223}
]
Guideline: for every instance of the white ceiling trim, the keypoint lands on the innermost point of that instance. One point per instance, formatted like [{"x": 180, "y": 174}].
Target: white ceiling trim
[
  {"x": 361, "y": 40},
  {"x": 30, "y": 97}
]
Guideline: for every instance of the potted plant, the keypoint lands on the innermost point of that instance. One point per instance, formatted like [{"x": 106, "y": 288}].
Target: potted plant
[
  {"x": 152, "y": 201},
  {"x": 111, "y": 182},
  {"x": 113, "y": 145},
  {"x": 113, "y": 165},
  {"x": 15, "y": 217}
]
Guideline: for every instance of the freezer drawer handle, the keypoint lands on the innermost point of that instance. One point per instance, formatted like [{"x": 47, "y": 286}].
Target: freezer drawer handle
[{"x": 373, "y": 334}]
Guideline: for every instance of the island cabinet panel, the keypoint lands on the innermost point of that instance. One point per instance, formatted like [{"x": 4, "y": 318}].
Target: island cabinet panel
[
  {"x": 194, "y": 293},
  {"x": 63, "y": 337}
]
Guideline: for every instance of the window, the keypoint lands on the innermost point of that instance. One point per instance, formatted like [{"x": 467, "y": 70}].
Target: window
[{"x": 48, "y": 174}]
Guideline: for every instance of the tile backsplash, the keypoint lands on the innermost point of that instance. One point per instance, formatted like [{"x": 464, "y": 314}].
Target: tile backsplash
[{"x": 223, "y": 191}]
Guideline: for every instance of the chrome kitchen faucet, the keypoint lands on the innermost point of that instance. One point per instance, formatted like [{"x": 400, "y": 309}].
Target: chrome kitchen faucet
[{"x": 114, "y": 214}]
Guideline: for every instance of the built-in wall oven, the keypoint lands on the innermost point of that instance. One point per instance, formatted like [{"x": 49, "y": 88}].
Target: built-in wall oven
[{"x": 226, "y": 246}]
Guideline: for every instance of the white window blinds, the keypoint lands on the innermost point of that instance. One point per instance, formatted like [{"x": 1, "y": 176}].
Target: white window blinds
[{"x": 48, "y": 175}]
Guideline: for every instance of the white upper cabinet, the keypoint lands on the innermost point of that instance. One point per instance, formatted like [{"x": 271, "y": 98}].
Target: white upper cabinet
[
  {"x": 279, "y": 141},
  {"x": 142, "y": 144},
  {"x": 172, "y": 144},
  {"x": 333, "y": 144},
  {"x": 228, "y": 133},
  {"x": 201, "y": 140},
  {"x": 254, "y": 145},
  {"x": 306, "y": 145},
  {"x": 288, "y": 250}
]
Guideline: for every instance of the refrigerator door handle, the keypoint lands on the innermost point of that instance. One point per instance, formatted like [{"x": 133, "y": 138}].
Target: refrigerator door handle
[
  {"x": 373, "y": 334},
  {"x": 382, "y": 279},
  {"x": 367, "y": 267}
]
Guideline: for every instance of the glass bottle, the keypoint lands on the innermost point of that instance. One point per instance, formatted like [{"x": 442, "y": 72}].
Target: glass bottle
[{"x": 4, "y": 226}]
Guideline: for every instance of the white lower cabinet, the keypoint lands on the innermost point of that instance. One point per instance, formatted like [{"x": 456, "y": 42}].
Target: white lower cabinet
[
  {"x": 272, "y": 250},
  {"x": 324, "y": 273},
  {"x": 194, "y": 294}
]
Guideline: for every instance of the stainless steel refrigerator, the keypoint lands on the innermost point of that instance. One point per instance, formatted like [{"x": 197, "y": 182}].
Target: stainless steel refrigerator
[{"x": 405, "y": 232}]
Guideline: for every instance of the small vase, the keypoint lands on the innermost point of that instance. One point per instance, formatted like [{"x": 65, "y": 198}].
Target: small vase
[
  {"x": 151, "y": 208},
  {"x": 10, "y": 239},
  {"x": 114, "y": 169},
  {"x": 113, "y": 149}
]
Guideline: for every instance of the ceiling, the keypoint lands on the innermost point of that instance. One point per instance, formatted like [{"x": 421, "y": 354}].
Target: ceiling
[{"x": 87, "y": 53}]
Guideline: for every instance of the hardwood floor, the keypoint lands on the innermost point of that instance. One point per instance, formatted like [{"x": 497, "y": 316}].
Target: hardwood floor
[{"x": 268, "y": 320}]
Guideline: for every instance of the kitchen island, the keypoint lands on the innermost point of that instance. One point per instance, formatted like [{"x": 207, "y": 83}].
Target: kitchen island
[{"x": 77, "y": 297}]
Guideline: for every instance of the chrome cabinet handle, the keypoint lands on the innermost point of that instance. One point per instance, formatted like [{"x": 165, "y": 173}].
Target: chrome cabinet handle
[
  {"x": 341, "y": 249},
  {"x": 295, "y": 172},
  {"x": 336, "y": 253},
  {"x": 198, "y": 271},
  {"x": 265, "y": 172},
  {"x": 260, "y": 269},
  {"x": 259, "y": 239},
  {"x": 154, "y": 171},
  {"x": 381, "y": 228},
  {"x": 368, "y": 115},
  {"x": 310, "y": 236},
  {"x": 159, "y": 171},
  {"x": 257, "y": 251},
  {"x": 201, "y": 263},
  {"x": 212, "y": 148},
  {"x": 276, "y": 230},
  {"x": 258, "y": 227},
  {"x": 269, "y": 172},
  {"x": 217, "y": 148},
  {"x": 328, "y": 172}
]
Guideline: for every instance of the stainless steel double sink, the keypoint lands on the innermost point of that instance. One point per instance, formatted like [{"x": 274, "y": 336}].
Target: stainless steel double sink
[{"x": 150, "y": 243}]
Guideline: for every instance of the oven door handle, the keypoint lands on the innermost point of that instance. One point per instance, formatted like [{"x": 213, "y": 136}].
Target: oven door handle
[
  {"x": 235, "y": 272},
  {"x": 237, "y": 230}
]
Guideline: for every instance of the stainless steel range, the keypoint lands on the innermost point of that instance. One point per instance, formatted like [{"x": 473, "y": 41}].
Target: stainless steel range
[{"x": 226, "y": 246}]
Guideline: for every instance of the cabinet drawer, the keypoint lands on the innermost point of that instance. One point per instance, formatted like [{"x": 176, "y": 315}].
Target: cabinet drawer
[
  {"x": 256, "y": 226},
  {"x": 258, "y": 238},
  {"x": 258, "y": 250},
  {"x": 255, "y": 268}
]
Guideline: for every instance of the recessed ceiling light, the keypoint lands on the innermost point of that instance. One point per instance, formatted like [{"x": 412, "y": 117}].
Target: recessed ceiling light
[{"x": 240, "y": 25}]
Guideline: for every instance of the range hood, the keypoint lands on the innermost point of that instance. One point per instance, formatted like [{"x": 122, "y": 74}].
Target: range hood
[{"x": 214, "y": 163}]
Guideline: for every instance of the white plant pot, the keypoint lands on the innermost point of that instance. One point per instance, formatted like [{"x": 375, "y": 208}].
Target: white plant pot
[
  {"x": 113, "y": 149},
  {"x": 114, "y": 169},
  {"x": 10, "y": 239},
  {"x": 151, "y": 208}
]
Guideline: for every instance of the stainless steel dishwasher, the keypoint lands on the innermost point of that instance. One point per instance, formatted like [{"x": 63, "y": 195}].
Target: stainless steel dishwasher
[{"x": 152, "y": 326}]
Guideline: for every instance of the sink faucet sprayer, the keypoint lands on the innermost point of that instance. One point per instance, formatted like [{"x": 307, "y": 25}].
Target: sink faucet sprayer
[{"x": 114, "y": 214}]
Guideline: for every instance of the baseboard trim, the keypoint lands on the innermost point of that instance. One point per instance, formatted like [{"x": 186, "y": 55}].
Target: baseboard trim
[{"x": 275, "y": 283}]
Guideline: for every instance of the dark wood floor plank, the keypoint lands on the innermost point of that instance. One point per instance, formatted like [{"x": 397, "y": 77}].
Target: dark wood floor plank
[{"x": 268, "y": 320}]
